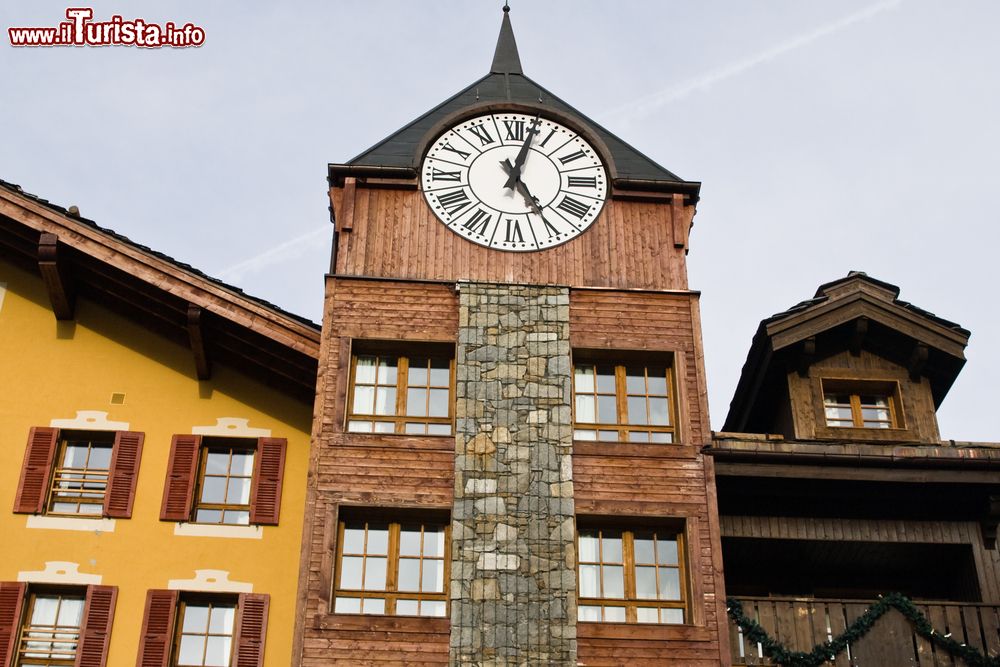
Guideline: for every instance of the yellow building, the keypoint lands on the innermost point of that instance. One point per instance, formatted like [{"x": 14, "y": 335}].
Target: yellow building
[{"x": 155, "y": 442}]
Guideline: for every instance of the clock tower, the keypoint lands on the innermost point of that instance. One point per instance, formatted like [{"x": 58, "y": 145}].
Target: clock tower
[{"x": 507, "y": 462}]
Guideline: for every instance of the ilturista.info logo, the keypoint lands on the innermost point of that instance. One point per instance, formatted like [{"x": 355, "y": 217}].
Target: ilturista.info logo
[{"x": 80, "y": 29}]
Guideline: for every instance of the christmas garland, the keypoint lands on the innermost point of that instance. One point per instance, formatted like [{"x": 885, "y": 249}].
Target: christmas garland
[{"x": 828, "y": 651}]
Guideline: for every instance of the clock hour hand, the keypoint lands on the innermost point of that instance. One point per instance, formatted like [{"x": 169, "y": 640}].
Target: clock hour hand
[
  {"x": 522, "y": 155},
  {"x": 529, "y": 199}
]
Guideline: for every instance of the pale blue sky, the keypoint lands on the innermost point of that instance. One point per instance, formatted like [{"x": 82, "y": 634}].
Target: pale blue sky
[{"x": 829, "y": 136}]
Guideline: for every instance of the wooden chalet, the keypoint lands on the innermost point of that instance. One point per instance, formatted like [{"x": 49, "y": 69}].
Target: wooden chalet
[{"x": 835, "y": 487}]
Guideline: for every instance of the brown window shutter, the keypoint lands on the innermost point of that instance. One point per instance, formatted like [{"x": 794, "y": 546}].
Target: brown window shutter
[
  {"x": 11, "y": 602},
  {"x": 265, "y": 494},
  {"x": 157, "y": 635},
  {"x": 123, "y": 475},
  {"x": 182, "y": 469},
  {"x": 95, "y": 630},
  {"x": 251, "y": 627},
  {"x": 36, "y": 471}
]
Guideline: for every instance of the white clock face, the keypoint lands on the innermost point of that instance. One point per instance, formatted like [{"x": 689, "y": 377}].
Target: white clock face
[{"x": 511, "y": 181}]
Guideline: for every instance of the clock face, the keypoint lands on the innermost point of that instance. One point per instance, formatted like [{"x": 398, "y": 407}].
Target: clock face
[{"x": 511, "y": 181}]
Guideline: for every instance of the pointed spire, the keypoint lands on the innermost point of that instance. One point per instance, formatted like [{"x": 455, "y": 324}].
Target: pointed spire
[{"x": 505, "y": 58}]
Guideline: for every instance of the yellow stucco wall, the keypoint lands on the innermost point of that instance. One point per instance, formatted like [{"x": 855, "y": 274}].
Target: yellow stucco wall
[{"x": 53, "y": 370}]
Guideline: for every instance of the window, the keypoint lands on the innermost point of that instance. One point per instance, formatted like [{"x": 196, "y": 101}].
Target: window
[
  {"x": 398, "y": 394},
  {"x": 861, "y": 404},
  {"x": 391, "y": 568},
  {"x": 623, "y": 402},
  {"x": 79, "y": 473},
  {"x": 51, "y": 632},
  {"x": 631, "y": 576},
  {"x": 80, "y": 479},
  {"x": 205, "y": 633},
  {"x": 224, "y": 481},
  {"x": 224, "y": 477}
]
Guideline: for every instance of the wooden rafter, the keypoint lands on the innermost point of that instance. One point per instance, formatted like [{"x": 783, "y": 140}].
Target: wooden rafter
[
  {"x": 918, "y": 359},
  {"x": 55, "y": 275},
  {"x": 806, "y": 355},
  {"x": 858, "y": 335},
  {"x": 196, "y": 334}
]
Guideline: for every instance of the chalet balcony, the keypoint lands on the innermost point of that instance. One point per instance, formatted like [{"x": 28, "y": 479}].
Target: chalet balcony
[{"x": 802, "y": 623}]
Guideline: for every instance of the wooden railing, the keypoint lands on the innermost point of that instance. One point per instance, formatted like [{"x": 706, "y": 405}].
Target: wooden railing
[{"x": 800, "y": 624}]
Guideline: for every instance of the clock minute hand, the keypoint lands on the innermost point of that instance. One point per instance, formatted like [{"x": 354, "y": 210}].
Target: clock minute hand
[
  {"x": 529, "y": 199},
  {"x": 522, "y": 155}
]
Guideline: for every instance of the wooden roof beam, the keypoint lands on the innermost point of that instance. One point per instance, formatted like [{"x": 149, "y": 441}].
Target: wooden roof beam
[
  {"x": 988, "y": 525},
  {"x": 807, "y": 354},
  {"x": 918, "y": 359},
  {"x": 858, "y": 335},
  {"x": 196, "y": 334},
  {"x": 55, "y": 275}
]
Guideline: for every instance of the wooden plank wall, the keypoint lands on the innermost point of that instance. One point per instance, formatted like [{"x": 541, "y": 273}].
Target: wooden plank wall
[
  {"x": 393, "y": 233},
  {"x": 382, "y": 471},
  {"x": 658, "y": 482}
]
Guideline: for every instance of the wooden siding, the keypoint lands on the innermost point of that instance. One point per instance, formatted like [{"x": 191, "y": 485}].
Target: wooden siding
[{"x": 394, "y": 234}]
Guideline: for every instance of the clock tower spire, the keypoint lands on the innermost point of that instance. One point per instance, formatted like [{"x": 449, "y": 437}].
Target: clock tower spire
[{"x": 505, "y": 58}]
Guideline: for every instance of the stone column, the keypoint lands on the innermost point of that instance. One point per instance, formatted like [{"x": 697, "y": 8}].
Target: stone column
[{"x": 513, "y": 558}]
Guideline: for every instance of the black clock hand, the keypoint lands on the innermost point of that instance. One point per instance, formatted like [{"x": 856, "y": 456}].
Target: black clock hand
[
  {"x": 522, "y": 155},
  {"x": 521, "y": 187}
]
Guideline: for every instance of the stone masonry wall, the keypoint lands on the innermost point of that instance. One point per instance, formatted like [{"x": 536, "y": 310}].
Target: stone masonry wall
[{"x": 513, "y": 580}]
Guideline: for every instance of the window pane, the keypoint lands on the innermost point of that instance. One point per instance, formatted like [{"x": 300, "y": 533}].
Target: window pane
[
  {"x": 439, "y": 403},
  {"x": 91, "y": 508},
  {"x": 208, "y": 516},
  {"x": 645, "y": 583},
  {"x": 635, "y": 380},
  {"x": 221, "y": 621},
  {"x": 614, "y": 581},
  {"x": 637, "y": 410},
  {"x": 647, "y": 615},
  {"x": 214, "y": 490},
  {"x": 364, "y": 400},
  {"x": 433, "y": 542},
  {"x": 359, "y": 427},
  {"x": 433, "y": 577},
  {"x": 418, "y": 373},
  {"x": 589, "y": 581},
  {"x": 661, "y": 437},
  {"x": 217, "y": 463},
  {"x": 407, "y": 607},
  {"x": 242, "y": 464},
  {"x": 45, "y": 609},
  {"x": 440, "y": 372},
  {"x": 378, "y": 539},
  {"x": 585, "y": 409},
  {"x": 433, "y": 608},
  {"x": 347, "y": 605},
  {"x": 415, "y": 428},
  {"x": 588, "y": 548},
  {"x": 670, "y": 584},
  {"x": 606, "y": 379},
  {"x": 217, "y": 651},
  {"x": 375, "y": 574},
  {"x": 614, "y": 614},
  {"x": 373, "y": 606},
  {"x": 354, "y": 540},
  {"x": 644, "y": 551},
  {"x": 659, "y": 412},
  {"x": 191, "y": 651},
  {"x": 439, "y": 429},
  {"x": 657, "y": 381},
  {"x": 409, "y": 542},
  {"x": 607, "y": 411},
  {"x": 75, "y": 457},
  {"x": 239, "y": 491},
  {"x": 70, "y": 612},
  {"x": 875, "y": 401},
  {"x": 611, "y": 548},
  {"x": 673, "y": 616},
  {"x": 350, "y": 572},
  {"x": 667, "y": 552},
  {"x": 583, "y": 379},
  {"x": 385, "y": 401},
  {"x": 416, "y": 402},
  {"x": 584, "y": 435},
  {"x": 387, "y": 370},
  {"x": 409, "y": 574},
  {"x": 236, "y": 518},
  {"x": 607, "y": 436},
  {"x": 587, "y": 613},
  {"x": 384, "y": 427},
  {"x": 365, "y": 371},
  {"x": 100, "y": 458}
]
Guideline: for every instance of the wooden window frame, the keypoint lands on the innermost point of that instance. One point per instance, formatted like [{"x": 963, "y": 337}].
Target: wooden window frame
[
  {"x": 202, "y": 599},
  {"x": 390, "y": 594},
  {"x": 630, "y": 601},
  {"x": 399, "y": 419},
  {"x": 855, "y": 388},
  {"x": 61, "y": 474},
  {"x": 623, "y": 427},
  {"x": 24, "y": 627},
  {"x": 207, "y": 444}
]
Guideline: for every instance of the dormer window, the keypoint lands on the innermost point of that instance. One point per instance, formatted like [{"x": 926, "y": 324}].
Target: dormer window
[{"x": 864, "y": 404}]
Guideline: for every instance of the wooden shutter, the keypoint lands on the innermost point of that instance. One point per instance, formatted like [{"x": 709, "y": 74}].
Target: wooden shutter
[
  {"x": 182, "y": 470},
  {"x": 265, "y": 494},
  {"x": 95, "y": 630},
  {"x": 11, "y": 603},
  {"x": 36, "y": 472},
  {"x": 123, "y": 474},
  {"x": 251, "y": 627},
  {"x": 157, "y": 635}
]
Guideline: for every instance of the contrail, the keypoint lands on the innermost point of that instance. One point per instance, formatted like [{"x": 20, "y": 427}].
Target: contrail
[
  {"x": 649, "y": 103},
  {"x": 280, "y": 253}
]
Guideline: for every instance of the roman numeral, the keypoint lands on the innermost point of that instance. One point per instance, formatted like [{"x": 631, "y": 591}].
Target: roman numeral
[
  {"x": 462, "y": 154},
  {"x": 547, "y": 138},
  {"x": 454, "y": 201},
  {"x": 484, "y": 137},
  {"x": 439, "y": 175},
  {"x": 515, "y": 130},
  {"x": 572, "y": 156},
  {"x": 479, "y": 222},
  {"x": 550, "y": 228},
  {"x": 514, "y": 234},
  {"x": 582, "y": 181},
  {"x": 573, "y": 206}
]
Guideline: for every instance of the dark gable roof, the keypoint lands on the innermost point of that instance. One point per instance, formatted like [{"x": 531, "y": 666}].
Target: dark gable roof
[
  {"x": 507, "y": 84},
  {"x": 842, "y": 301}
]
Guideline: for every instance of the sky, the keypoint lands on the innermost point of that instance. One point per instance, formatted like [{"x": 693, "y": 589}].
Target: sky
[{"x": 829, "y": 137}]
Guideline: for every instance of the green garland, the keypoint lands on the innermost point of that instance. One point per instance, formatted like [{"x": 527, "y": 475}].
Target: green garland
[{"x": 827, "y": 651}]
